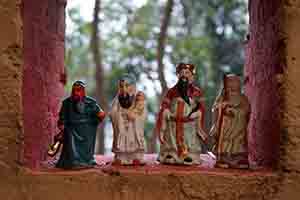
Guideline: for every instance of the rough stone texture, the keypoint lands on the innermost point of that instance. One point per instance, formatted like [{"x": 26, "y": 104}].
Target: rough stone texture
[
  {"x": 291, "y": 88},
  {"x": 263, "y": 63},
  {"x": 44, "y": 34},
  {"x": 10, "y": 94},
  {"x": 11, "y": 79},
  {"x": 290, "y": 92},
  {"x": 131, "y": 186},
  {"x": 277, "y": 34}
]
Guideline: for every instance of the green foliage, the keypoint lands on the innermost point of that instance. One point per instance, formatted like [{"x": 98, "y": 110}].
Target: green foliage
[
  {"x": 112, "y": 80},
  {"x": 207, "y": 33},
  {"x": 78, "y": 61},
  {"x": 213, "y": 40}
]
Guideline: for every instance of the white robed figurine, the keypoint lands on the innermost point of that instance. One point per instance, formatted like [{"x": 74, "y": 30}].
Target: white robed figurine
[{"x": 128, "y": 116}]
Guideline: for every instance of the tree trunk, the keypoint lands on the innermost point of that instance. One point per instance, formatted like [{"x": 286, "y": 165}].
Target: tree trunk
[
  {"x": 161, "y": 44},
  {"x": 165, "y": 22},
  {"x": 186, "y": 15},
  {"x": 99, "y": 77}
]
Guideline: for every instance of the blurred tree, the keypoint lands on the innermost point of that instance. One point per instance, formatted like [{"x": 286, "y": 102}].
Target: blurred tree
[
  {"x": 214, "y": 31},
  {"x": 143, "y": 40},
  {"x": 163, "y": 35},
  {"x": 78, "y": 60},
  {"x": 99, "y": 74}
]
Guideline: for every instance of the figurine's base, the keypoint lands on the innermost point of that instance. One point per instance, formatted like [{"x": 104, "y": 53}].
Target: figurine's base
[
  {"x": 129, "y": 159},
  {"x": 149, "y": 164},
  {"x": 173, "y": 159},
  {"x": 152, "y": 166},
  {"x": 233, "y": 164},
  {"x": 151, "y": 181}
]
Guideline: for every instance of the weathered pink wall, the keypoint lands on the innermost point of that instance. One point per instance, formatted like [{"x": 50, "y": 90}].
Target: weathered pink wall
[
  {"x": 17, "y": 182},
  {"x": 44, "y": 34},
  {"x": 262, "y": 66}
]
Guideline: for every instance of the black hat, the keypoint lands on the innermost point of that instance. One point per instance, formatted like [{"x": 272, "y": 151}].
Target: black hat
[{"x": 79, "y": 83}]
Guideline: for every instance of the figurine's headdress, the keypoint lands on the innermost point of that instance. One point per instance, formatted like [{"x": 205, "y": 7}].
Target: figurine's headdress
[
  {"x": 129, "y": 78},
  {"x": 79, "y": 83},
  {"x": 232, "y": 78},
  {"x": 182, "y": 66}
]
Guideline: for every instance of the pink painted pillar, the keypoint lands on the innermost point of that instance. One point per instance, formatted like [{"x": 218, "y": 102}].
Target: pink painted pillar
[
  {"x": 44, "y": 35},
  {"x": 262, "y": 66}
]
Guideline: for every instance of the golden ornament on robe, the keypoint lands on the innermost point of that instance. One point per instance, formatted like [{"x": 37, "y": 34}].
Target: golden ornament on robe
[{"x": 54, "y": 148}]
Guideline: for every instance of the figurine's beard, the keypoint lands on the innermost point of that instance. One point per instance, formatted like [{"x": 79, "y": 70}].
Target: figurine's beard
[
  {"x": 79, "y": 106},
  {"x": 233, "y": 97},
  {"x": 77, "y": 98},
  {"x": 182, "y": 89},
  {"x": 125, "y": 100},
  {"x": 233, "y": 94}
]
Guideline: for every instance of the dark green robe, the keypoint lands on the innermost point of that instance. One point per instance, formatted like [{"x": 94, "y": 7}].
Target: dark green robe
[{"x": 79, "y": 134}]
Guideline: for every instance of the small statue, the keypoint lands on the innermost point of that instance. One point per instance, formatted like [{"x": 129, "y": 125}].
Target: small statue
[
  {"x": 78, "y": 120},
  {"x": 231, "y": 110},
  {"x": 180, "y": 121},
  {"x": 128, "y": 117}
]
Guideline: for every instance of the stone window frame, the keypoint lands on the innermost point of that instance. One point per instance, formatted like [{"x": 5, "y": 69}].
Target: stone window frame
[{"x": 43, "y": 39}]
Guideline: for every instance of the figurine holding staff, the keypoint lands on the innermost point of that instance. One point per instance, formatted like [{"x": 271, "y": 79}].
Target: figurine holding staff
[{"x": 231, "y": 110}]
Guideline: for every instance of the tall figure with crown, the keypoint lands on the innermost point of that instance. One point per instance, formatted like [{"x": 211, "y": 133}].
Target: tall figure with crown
[{"x": 180, "y": 120}]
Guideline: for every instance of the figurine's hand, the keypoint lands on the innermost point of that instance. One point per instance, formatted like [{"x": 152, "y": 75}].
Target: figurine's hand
[
  {"x": 229, "y": 111},
  {"x": 130, "y": 115},
  {"x": 101, "y": 115},
  {"x": 168, "y": 114},
  {"x": 59, "y": 136},
  {"x": 61, "y": 127},
  {"x": 161, "y": 139}
]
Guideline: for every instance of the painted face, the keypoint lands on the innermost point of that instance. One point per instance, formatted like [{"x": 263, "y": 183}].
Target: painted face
[
  {"x": 125, "y": 88},
  {"x": 186, "y": 74},
  {"x": 126, "y": 94},
  {"x": 233, "y": 87},
  {"x": 78, "y": 93}
]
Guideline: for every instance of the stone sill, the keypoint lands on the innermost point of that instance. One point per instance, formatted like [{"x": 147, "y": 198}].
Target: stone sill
[
  {"x": 150, "y": 168},
  {"x": 152, "y": 181}
]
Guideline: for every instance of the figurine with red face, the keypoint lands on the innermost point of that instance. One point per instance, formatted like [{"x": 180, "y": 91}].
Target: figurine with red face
[
  {"x": 180, "y": 120},
  {"x": 78, "y": 120},
  {"x": 128, "y": 116},
  {"x": 232, "y": 112}
]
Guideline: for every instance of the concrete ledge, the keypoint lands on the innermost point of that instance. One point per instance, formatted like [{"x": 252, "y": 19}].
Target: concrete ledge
[
  {"x": 152, "y": 181},
  {"x": 151, "y": 167}
]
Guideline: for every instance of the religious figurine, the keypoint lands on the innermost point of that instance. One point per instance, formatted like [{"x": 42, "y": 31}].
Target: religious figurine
[
  {"x": 78, "y": 120},
  {"x": 128, "y": 116},
  {"x": 181, "y": 119},
  {"x": 231, "y": 110}
]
